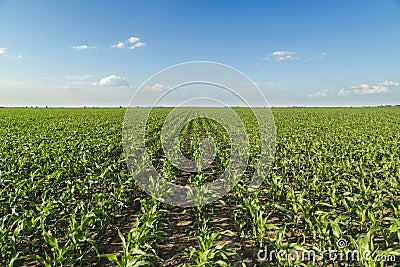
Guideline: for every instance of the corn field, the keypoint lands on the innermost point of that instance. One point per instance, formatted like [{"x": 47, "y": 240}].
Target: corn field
[{"x": 68, "y": 198}]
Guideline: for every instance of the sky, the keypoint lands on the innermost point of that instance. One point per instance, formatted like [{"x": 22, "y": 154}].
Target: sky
[{"x": 99, "y": 53}]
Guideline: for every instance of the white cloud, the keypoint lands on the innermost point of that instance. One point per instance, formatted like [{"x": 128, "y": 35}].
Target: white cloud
[
  {"x": 132, "y": 40},
  {"x": 286, "y": 55},
  {"x": 158, "y": 87},
  {"x": 282, "y": 56},
  {"x": 83, "y": 47},
  {"x": 343, "y": 92},
  {"x": 112, "y": 80},
  {"x": 78, "y": 77},
  {"x": 119, "y": 45},
  {"x": 366, "y": 89},
  {"x": 322, "y": 93},
  {"x": 138, "y": 44},
  {"x": 391, "y": 83},
  {"x": 12, "y": 56},
  {"x": 18, "y": 56}
]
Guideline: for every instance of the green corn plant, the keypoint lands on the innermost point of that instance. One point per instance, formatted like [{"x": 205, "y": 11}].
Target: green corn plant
[
  {"x": 392, "y": 232},
  {"x": 8, "y": 241},
  {"x": 396, "y": 210},
  {"x": 258, "y": 217},
  {"x": 282, "y": 251},
  {"x": 137, "y": 247},
  {"x": 208, "y": 254},
  {"x": 58, "y": 256},
  {"x": 364, "y": 245},
  {"x": 134, "y": 254}
]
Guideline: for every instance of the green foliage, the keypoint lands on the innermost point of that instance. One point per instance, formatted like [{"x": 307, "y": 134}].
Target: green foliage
[
  {"x": 137, "y": 247},
  {"x": 64, "y": 183}
]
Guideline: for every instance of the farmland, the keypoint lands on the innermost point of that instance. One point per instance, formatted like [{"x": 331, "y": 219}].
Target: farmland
[{"x": 67, "y": 197}]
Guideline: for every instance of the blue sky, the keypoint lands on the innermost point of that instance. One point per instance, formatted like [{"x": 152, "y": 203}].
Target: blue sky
[{"x": 312, "y": 53}]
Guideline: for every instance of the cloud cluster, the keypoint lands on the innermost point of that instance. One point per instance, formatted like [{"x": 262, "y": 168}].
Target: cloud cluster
[
  {"x": 322, "y": 93},
  {"x": 83, "y": 47},
  {"x": 83, "y": 81},
  {"x": 133, "y": 39},
  {"x": 138, "y": 44},
  {"x": 119, "y": 45},
  {"x": 366, "y": 89},
  {"x": 132, "y": 43},
  {"x": 282, "y": 56},
  {"x": 12, "y": 56},
  {"x": 391, "y": 83},
  {"x": 157, "y": 87},
  {"x": 286, "y": 55},
  {"x": 113, "y": 80}
]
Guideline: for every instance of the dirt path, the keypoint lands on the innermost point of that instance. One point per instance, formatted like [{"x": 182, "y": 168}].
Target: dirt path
[{"x": 181, "y": 223}]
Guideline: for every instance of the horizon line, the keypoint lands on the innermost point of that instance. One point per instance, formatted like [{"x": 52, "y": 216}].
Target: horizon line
[{"x": 277, "y": 106}]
